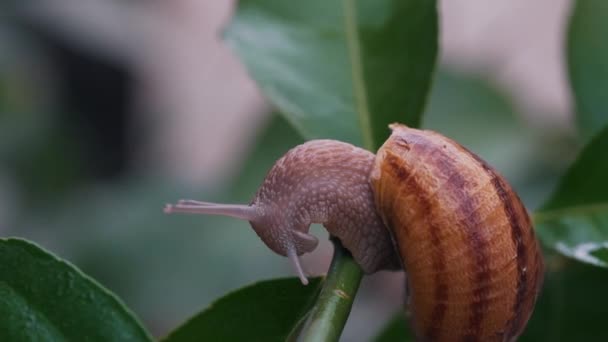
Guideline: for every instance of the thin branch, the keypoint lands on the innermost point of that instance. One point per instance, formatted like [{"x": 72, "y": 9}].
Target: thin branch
[{"x": 328, "y": 316}]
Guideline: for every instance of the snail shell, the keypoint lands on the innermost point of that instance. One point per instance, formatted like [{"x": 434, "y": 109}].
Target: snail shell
[
  {"x": 466, "y": 241},
  {"x": 423, "y": 203}
]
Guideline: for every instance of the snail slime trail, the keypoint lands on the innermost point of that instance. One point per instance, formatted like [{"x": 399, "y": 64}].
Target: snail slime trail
[{"x": 460, "y": 232}]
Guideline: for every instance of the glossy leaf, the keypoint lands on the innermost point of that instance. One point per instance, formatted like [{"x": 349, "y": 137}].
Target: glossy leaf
[
  {"x": 273, "y": 141},
  {"x": 340, "y": 69},
  {"x": 588, "y": 64},
  {"x": 575, "y": 219},
  {"x": 265, "y": 311},
  {"x": 43, "y": 298}
]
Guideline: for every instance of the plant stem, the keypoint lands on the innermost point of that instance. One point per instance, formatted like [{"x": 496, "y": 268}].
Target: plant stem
[{"x": 328, "y": 316}]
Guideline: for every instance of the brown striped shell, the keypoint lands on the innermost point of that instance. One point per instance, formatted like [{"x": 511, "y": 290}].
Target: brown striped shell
[{"x": 465, "y": 239}]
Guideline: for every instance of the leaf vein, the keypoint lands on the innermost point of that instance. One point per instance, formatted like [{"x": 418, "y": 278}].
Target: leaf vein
[{"x": 360, "y": 92}]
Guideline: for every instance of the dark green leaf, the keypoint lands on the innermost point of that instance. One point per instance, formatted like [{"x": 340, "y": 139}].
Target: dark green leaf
[
  {"x": 340, "y": 69},
  {"x": 572, "y": 305},
  {"x": 575, "y": 219},
  {"x": 265, "y": 311},
  {"x": 588, "y": 64},
  {"x": 396, "y": 330},
  {"x": 43, "y": 298}
]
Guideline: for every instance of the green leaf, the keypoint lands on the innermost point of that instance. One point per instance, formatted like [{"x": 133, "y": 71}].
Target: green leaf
[
  {"x": 572, "y": 305},
  {"x": 43, "y": 298},
  {"x": 340, "y": 69},
  {"x": 396, "y": 330},
  {"x": 575, "y": 219},
  {"x": 265, "y": 311},
  {"x": 588, "y": 64}
]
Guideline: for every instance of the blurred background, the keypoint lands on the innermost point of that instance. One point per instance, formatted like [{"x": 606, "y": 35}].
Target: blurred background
[{"x": 109, "y": 109}]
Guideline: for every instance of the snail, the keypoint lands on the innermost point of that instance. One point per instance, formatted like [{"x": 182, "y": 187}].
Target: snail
[{"x": 423, "y": 203}]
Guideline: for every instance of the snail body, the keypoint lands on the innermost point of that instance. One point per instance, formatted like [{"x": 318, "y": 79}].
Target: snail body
[{"x": 423, "y": 203}]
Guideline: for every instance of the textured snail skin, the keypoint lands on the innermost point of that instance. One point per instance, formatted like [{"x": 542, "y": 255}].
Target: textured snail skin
[
  {"x": 465, "y": 239},
  {"x": 327, "y": 182}
]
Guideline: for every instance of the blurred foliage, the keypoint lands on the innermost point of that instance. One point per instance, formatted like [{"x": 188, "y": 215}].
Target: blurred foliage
[
  {"x": 46, "y": 114},
  {"x": 274, "y": 140},
  {"x": 588, "y": 64},
  {"x": 29, "y": 138}
]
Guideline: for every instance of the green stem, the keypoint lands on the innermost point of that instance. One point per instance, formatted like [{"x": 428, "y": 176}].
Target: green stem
[{"x": 328, "y": 316}]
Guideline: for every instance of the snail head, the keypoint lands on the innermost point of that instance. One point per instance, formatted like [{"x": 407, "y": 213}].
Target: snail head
[{"x": 270, "y": 225}]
